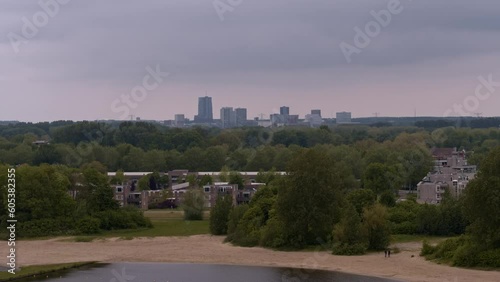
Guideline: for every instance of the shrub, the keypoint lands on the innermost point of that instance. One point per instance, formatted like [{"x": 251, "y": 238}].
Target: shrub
[
  {"x": 247, "y": 233},
  {"x": 427, "y": 249},
  {"x": 489, "y": 258},
  {"x": 349, "y": 250},
  {"x": 273, "y": 234},
  {"x": 47, "y": 227},
  {"x": 88, "y": 225},
  {"x": 126, "y": 218}
]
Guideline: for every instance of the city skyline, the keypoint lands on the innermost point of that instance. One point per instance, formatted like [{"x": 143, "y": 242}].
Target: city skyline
[{"x": 79, "y": 65}]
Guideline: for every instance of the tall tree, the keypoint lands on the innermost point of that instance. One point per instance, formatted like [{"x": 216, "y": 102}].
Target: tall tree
[
  {"x": 219, "y": 215},
  {"x": 308, "y": 202},
  {"x": 481, "y": 202}
]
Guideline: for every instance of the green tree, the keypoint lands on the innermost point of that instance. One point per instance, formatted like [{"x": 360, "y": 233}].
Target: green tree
[
  {"x": 375, "y": 178},
  {"x": 119, "y": 178},
  {"x": 481, "y": 202},
  {"x": 206, "y": 180},
  {"x": 224, "y": 174},
  {"x": 235, "y": 216},
  {"x": 100, "y": 196},
  {"x": 219, "y": 215},
  {"x": 236, "y": 178},
  {"x": 376, "y": 227},
  {"x": 348, "y": 235},
  {"x": 388, "y": 199},
  {"x": 310, "y": 196},
  {"x": 361, "y": 198},
  {"x": 193, "y": 204},
  {"x": 143, "y": 183}
]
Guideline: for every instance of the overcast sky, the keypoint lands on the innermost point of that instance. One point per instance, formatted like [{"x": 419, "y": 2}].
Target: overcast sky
[{"x": 260, "y": 54}]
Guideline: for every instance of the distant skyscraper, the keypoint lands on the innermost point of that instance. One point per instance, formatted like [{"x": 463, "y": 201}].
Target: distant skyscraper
[
  {"x": 179, "y": 120},
  {"x": 241, "y": 116},
  {"x": 344, "y": 117},
  {"x": 205, "y": 112},
  {"x": 316, "y": 112},
  {"x": 284, "y": 110},
  {"x": 227, "y": 117}
]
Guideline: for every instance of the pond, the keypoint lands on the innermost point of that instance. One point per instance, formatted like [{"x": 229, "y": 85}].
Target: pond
[{"x": 144, "y": 272}]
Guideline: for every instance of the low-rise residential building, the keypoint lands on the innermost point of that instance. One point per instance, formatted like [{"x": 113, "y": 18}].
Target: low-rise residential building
[
  {"x": 451, "y": 174},
  {"x": 128, "y": 194}
]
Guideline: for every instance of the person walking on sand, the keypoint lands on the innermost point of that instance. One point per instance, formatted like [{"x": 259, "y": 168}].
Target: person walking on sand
[{"x": 389, "y": 253}]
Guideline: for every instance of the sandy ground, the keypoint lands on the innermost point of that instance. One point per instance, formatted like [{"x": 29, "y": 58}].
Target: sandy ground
[{"x": 211, "y": 249}]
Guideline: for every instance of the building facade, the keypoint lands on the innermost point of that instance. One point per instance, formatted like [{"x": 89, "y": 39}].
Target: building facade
[
  {"x": 241, "y": 117},
  {"x": 205, "y": 111},
  {"x": 451, "y": 173},
  {"x": 343, "y": 117},
  {"x": 227, "y": 117}
]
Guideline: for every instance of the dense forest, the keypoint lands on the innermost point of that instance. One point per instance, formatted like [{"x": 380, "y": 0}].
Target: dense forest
[{"x": 138, "y": 146}]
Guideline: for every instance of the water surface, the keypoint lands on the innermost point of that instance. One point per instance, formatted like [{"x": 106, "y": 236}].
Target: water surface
[{"x": 144, "y": 272}]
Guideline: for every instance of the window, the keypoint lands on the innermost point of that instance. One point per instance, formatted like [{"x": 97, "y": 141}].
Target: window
[
  {"x": 119, "y": 189},
  {"x": 207, "y": 189}
]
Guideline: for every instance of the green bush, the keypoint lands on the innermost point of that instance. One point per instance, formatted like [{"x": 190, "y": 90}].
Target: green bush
[
  {"x": 247, "y": 233},
  {"x": 465, "y": 255},
  {"x": 46, "y": 227},
  {"x": 427, "y": 249},
  {"x": 349, "y": 250},
  {"x": 272, "y": 234},
  {"x": 446, "y": 249},
  {"x": 406, "y": 227},
  {"x": 127, "y": 218},
  {"x": 88, "y": 225},
  {"x": 489, "y": 258}
]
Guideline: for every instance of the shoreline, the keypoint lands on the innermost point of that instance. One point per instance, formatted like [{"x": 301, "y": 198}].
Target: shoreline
[{"x": 206, "y": 249}]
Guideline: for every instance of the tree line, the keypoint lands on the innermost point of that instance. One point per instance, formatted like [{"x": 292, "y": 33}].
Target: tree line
[
  {"x": 53, "y": 200},
  {"x": 316, "y": 203},
  {"x": 138, "y": 146}
]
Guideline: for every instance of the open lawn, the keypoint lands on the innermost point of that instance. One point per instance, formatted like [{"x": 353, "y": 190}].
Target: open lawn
[{"x": 166, "y": 223}]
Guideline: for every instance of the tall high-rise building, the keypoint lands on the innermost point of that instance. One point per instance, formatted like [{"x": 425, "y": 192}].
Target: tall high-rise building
[
  {"x": 285, "y": 111},
  {"x": 316, "y": 112},
  {"x": 227, "y": 117},
  {"x": 241, "y": 116},
  {"x": 205, "y": 112}
]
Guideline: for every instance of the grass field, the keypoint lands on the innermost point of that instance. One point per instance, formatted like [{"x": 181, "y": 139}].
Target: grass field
[
  {"x": 166, "y": 223},
  {"x": 40, "y": 270}
]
